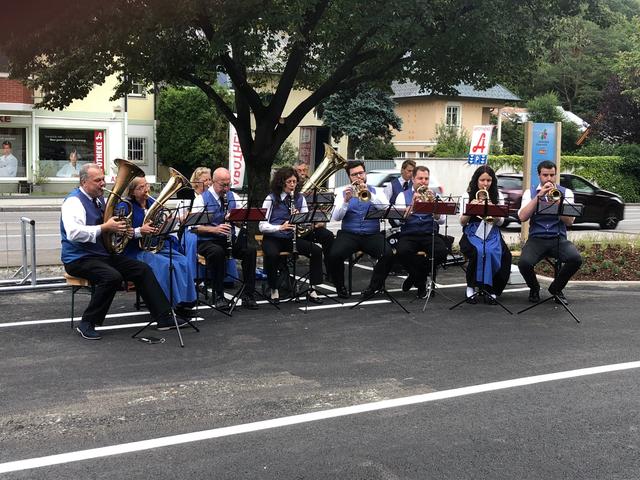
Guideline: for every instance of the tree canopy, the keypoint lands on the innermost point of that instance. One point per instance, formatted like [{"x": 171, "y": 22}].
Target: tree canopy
[{"x": 269, "y": 47}]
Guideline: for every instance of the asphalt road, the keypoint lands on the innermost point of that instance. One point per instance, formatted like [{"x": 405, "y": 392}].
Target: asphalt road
[
  {"x": 62, "y": 394},
  {"x": 48, "y": 233}
]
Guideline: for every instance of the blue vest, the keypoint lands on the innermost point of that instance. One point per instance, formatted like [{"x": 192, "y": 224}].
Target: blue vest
[
  {"x": 396, "y": 186},
  {"x": 546, "y": 225},
  {"x": 354, "y": 221},
  {"x": 214, "y": 208},
  {"x": 280, "y": 213},
  {"x": 416, "y": 223},
  {"x": 72, "y": 251}
]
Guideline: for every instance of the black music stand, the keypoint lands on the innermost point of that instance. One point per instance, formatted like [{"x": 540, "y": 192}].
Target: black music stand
[
  {"x": 244, "y": 216},
  {"x": 170, "y": 226},
  {"x": 562, "y": 208},
  {"x": 389, "y": 212},
  {"x": 437, "y": 207},
  {"x": 484, "y": 210}
]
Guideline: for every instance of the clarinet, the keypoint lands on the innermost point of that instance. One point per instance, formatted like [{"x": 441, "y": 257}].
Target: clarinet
[
  {"x": 292, "y": 206},
  {"x": 225, "y": 209}
]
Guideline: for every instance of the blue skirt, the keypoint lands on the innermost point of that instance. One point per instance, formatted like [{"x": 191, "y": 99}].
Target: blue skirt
[{"x": 492, "y": 249}]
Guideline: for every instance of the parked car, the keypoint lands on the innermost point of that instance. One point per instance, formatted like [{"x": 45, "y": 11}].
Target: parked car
[
  {"x": 380, "y": 178},
  {"x": 600, "y": 206}
]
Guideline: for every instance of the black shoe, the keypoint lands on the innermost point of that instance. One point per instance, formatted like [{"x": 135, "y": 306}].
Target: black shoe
[
  {"x": 471, "y": 300},
  {"x": 407, "y": 284},
  {"x": 534, "y": 295},
  {"x": 185, "y": 312},
  {"x": 249, "y": 302},
  {"x": 168, "y": 323},
  {"x": 342, "y": 292},
  {"x": 368, "y": 293},
  {"x": 560, "y": 298},
  {"x": 314, "y": 299},
  {"x": 88, "y": 331},
  {"x": 490, "y": 300},
  {"x": 422, "y": 290},
  {"x": 221, "y": 304}
]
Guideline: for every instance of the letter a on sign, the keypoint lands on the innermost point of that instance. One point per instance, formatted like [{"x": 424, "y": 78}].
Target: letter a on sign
[{"x": 479, "y": 149}]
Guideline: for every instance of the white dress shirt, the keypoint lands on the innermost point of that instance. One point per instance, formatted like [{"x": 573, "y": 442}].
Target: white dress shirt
[
  {"x": 526, "y": 197},
  {"x": 341, "y": 207},
  {"x": 265, "y": 226},
  {"x": 74, "y": 219}
]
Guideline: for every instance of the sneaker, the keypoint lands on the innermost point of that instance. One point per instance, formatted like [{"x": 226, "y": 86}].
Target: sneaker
[
  {"x": 422, "y": 290},
  {"x": 88, "y": 331},
  {"x": 534, "y": 294},
  {"x": 168, "y": 323},
  {"x": 342, "y": 292},
  {"x": 407, "y": 284},
  {"x": 249, "y": 302}
]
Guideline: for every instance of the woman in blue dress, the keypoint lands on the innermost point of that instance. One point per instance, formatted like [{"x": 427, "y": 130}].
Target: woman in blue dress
[
  {"x": 183, "y": 291},
  {"x": 492, "y": 273}
]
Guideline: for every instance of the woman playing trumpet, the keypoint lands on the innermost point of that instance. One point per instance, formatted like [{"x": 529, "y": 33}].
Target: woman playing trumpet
[
  {"x": 183, "y": 291},
  {"x": 280, "y": 236},
  {"x": 483, "y": 188}
]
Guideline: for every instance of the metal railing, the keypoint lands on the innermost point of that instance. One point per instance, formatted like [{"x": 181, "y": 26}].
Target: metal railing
[{"x": 28, "y": 271}]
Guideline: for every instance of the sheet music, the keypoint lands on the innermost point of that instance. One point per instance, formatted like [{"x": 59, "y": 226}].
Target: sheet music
[{"x": 484, "y": 229}]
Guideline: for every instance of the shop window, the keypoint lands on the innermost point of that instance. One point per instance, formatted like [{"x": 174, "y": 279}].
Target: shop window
[
  {"x": 137, "y": 149},
  {"x": 13, "y": 152},
  {"x": 63, "y": 151}
]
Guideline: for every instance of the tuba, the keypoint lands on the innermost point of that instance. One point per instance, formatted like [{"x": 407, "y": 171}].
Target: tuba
[
  {"x": 157, "y": 215},
  {"x": 127, "y": 171},
  {"x": 332, "y": 163}
]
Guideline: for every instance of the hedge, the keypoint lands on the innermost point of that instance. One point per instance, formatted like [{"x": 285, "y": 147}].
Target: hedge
[{"x": 608, "y": 172}]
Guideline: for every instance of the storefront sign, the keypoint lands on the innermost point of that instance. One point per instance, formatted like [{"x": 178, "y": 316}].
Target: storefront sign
[
  {"x": 480, "y": 142},
  {"x": 236, "y": 159},
  {"x": 98, "y": 148}
]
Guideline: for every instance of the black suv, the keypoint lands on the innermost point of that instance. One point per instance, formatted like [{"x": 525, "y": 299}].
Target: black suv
[{"x": 600, "y": 206}]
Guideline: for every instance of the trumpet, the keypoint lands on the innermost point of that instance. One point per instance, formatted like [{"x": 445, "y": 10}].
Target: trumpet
[
  {"x": 482, "y": 196},
  {"x": 425, "y": 193},
  {"x": 360, "y": 191},
  {"x": 554, "y": 195}
]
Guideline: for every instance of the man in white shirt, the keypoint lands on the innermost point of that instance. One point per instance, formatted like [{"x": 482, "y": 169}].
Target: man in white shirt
[
  {"x": 402, "y": 183},
  {"x": 8, "y": 162},
  {"x": 84, "y": 255},
  {"x": 547, "y": 234}
]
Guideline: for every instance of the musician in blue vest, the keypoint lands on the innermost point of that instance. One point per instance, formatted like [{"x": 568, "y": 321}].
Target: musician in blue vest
[
  {"x": 279, "y": 236},
  {"x": 219, "y": 238},
  {"x": 183, "y": 290},
  {"x": 403, "y": 183},
  {"x": 547, "y": 234},
  {"x": 493, "y": 273},
  {"x": 358, "y": 233},
  {"x": 419, "y": 232},
  {"x": 84, "y": 255}
]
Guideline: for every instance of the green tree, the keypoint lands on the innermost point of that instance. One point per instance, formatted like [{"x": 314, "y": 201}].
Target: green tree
[
  {"x": 378, "y": 149},
  {"x": 362, "y": 115},
  {"x": 451, "y": 142},
  {"x": 191, "y": 132},
  {"x": 65, "y": 47},
  {"x": 544, "y": 109}
]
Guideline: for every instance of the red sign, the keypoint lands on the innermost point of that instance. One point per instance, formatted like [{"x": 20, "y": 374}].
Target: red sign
[{"x": 98, "y": 148}]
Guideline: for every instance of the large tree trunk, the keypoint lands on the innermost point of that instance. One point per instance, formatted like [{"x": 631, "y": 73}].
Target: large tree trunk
[{"x": 258, "y": 177}]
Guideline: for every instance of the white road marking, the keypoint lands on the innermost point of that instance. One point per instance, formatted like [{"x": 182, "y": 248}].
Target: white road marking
[{"x": 153, "y": 443}]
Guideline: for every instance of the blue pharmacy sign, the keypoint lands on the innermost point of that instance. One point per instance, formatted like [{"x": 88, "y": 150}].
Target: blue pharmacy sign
[{"x": 543, "y": 147}]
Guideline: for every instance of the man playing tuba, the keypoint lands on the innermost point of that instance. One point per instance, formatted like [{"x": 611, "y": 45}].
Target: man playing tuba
[{"x": 84, "y": 255}]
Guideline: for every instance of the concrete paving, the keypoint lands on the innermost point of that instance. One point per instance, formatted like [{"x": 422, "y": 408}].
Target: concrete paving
[{"x": 62, "y": 394}]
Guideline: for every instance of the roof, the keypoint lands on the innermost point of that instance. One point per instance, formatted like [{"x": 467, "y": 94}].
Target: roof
[{"x": 497, "y": 92}]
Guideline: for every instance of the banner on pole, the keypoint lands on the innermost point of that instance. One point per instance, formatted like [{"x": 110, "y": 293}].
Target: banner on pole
[
  {"x": 236, "y": 159},
  {"x": 480, "y": 141}
]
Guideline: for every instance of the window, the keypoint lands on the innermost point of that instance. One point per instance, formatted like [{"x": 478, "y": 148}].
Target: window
[
  {"x": 453, "y": 116},
  {"x": 62, "y": 151},
  {"x": 137, "y": 150},
  {"x": 402, "y": 155},
  {"x": 138, "y": 90},
  {"x": 423, "y": 154}
]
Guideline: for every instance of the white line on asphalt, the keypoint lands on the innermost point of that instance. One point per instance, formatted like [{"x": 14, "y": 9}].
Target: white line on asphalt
[{"x": 153, "y": 443}]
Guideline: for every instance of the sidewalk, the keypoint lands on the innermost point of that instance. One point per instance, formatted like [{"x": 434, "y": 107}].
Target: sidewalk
[{"x": 17, "y": 203}]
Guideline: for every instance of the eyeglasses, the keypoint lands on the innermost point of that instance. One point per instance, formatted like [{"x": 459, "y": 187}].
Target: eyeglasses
[
  {"x": 143, "y": 187},
  {"x": 224, "y": 185},
  {"x": 357, "y": 174}
]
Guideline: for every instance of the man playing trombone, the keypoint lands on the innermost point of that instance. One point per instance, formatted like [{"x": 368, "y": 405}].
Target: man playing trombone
[{"x": 547, "y": 233}]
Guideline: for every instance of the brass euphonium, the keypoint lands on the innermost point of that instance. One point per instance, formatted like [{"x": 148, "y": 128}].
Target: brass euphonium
[
  {"x": 482, "y": 195},
  {"x": 157, "y": 214},
  {"x": 332, "y": 163},
  {"x": 127, "y": 171}
]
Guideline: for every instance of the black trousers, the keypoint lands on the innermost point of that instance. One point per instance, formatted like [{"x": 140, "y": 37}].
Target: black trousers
[
  {"x": 419, "y": 267},
  {"x": 324, "y": 237},
  {"x": 214, "y": 251},
  {"x": 500, "y": 278},
  {"x": 107, "y": 273},
  {"x": 374, "y": 244},
  {"x": 536, "y": 248},
  {"x": 272, "y": 246}
]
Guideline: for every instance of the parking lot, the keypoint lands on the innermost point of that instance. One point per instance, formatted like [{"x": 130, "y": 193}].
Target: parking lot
[{"x": 369, "y": 393}]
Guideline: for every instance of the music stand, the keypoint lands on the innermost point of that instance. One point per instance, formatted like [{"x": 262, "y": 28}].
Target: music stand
[
  {"x": 389, "y": 212},
  {"x": 245, "y": 215},
  {"x": 437, "y": 207},
  {"x": 170, "y": 226},
  {"x": 557, "y": 209},
  {"x": 484, "y": 210}
]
